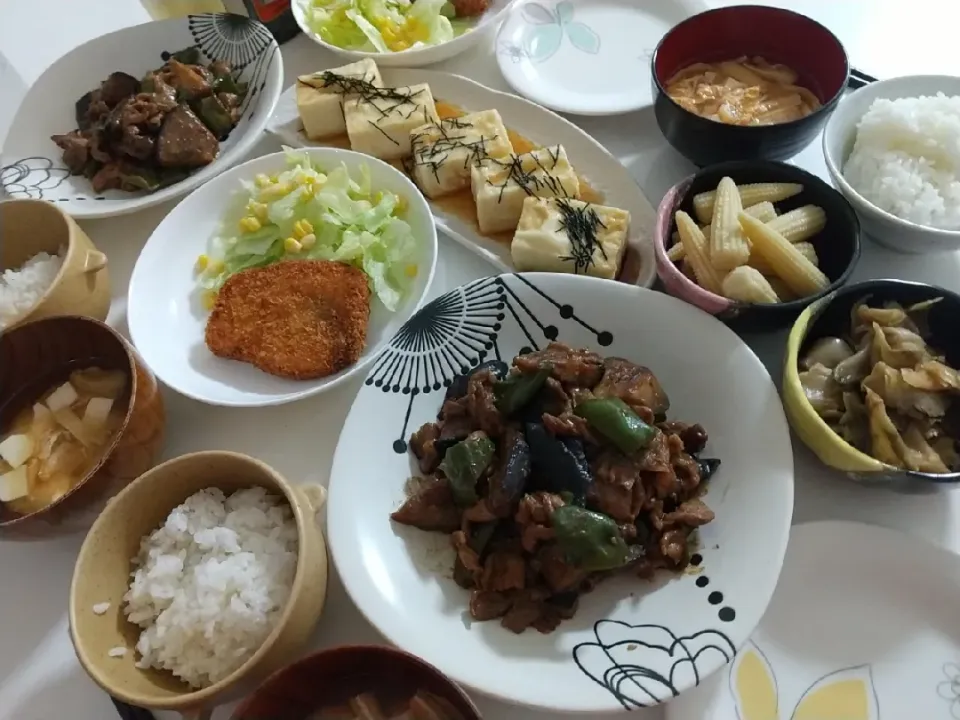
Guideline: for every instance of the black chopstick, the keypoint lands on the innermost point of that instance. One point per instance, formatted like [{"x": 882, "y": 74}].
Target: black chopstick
[
  {"x": 858, "y": 79},
  {"x": 131, "y": 712}
]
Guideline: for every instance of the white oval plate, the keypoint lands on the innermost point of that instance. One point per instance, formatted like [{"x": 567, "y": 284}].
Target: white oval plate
[
  {"x": 627, "y": 632},
  {"x": 166, "y": 318},
  {"x": 586, "y": 57},
  {"x": 31, "y": 164},
  {"x": 593, "y": 161},
  {"x": 863, "y": 626}
]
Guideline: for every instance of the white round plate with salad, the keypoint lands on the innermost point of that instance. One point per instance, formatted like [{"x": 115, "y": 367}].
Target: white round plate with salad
[
  {"x": 399, "y": 33},
  {"x": 282, "y": 277}
]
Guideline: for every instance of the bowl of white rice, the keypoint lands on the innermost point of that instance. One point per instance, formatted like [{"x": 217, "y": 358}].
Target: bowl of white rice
[
  {"x": 48, "y": 265},
  {"x": 893, "y": 149},
  {"x": 205, "y": 574}
]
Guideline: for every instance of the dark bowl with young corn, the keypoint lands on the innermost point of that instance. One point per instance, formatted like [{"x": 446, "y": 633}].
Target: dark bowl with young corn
[{"x": 796, "y": 240}]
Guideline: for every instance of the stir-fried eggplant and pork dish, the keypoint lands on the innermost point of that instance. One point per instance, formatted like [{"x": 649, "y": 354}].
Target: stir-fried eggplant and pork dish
[
  {"x": 554, "y": 474},
  {"x": 146, "y": 134}
]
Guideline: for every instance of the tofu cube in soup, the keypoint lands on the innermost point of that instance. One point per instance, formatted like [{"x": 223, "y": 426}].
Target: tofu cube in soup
[
  {"x": 320, "y": 96},
  {"x": 500, "y": 187},
  {"x": 445, "y": 152},
  {"x": 380, "y": 124},
  {"x": 570, "y": 236}
]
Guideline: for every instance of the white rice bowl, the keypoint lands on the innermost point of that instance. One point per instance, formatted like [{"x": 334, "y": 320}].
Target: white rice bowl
[
  {"x": 211, "y": 583},
  {"x": 906, "y": 159}
]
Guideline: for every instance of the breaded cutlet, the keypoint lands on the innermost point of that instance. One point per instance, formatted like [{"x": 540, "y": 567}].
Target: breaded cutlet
[{"x": 298, "y": 319}]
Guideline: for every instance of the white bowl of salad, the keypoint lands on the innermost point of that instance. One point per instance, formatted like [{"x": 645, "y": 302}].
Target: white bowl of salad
[
  {"x": 399, "y": 33},
  {"x": 281, "y": 278}
]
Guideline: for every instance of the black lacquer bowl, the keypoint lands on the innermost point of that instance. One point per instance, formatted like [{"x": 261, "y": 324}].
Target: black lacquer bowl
[
  {"x": 837, "y": 245},
  {"x": 778, "y": 36}
]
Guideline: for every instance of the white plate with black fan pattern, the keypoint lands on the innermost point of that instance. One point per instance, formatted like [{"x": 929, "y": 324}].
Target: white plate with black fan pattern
[
  {"x": 632, "y": 642},
  {"x": 33, "y": 166}
]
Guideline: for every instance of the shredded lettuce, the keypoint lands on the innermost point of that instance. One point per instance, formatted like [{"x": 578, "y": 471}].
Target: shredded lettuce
[
  {"x": 307, "y": 212},
  {"x": 383, "y": 25}
]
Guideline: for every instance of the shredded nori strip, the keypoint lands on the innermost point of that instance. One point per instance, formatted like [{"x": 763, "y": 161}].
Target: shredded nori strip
[
  {"x": 433, "y": 154},
  {"x": 581, "y": 225},
  {"x": 369, "y": 93},
  {"x": 528, "y": 180}
]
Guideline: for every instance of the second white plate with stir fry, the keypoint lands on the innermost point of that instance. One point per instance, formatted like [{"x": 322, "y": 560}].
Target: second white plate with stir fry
[{"x": 517, "y": 445}]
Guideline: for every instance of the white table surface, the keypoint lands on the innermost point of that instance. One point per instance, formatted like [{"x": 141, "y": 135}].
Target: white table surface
[{"x": 40, "y": 678}]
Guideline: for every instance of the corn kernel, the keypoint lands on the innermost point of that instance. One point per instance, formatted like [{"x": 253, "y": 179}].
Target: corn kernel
[
  {"x": 258, "y": 210},
  {"x": 261, "y": 180},
  {"x": 402, "y": 204},
  {"x": 275, "y": 191},
  {"x": 216, "y": 267},
  {"x": 411, "y": 270},
  {"x": 202, "y": 262},
  {"x": 209, "y": 299},
  {"x": 249, "y": 224},
  {"x": 291, "y": 245},
  {"x": 308, "y": 241},
  {"x": 301, "y": 228}
]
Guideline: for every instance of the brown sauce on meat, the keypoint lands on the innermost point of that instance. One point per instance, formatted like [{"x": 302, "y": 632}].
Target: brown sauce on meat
[{"x": 539, "y": 512}]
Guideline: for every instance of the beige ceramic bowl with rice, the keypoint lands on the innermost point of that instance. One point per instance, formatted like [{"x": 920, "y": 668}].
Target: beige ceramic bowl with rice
[
  {"x": 273, "y": 605},
  {"x": 898, "y": 163},
  {"x": 48, "y": 265}
]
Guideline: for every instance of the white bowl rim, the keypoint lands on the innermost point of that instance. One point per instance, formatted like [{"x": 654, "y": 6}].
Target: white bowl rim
[
  {"x": 432, "y": 241},
  {"x": 410, "y": 54},
  {"x": 832, "y": 127},
  {"x": 178, "y": 190}
]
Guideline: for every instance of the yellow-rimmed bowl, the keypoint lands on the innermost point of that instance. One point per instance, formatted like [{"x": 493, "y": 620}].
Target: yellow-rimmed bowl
[
  {"x": 102, "y": 575},
  {"x": 82, "y": 286},
  {"x": 830, "y": 316}
]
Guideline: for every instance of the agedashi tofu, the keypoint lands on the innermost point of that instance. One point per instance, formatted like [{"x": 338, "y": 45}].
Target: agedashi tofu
[
  {"x": 500, "y": 187},
  {"x": 445, "y": 152},
  {"x": 320, "y": 96},
  {"x": 570, "y": 236},
  {"x": 381, "y": 124}
]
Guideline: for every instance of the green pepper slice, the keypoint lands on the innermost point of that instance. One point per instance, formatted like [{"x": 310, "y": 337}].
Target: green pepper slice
[
  {"x": 613, "y": 418},
  {"x": 229, "y": 84},
  {"x": 215, "y": 116},
  {"x": 464, "y": 464},
  {"x": 589, "y": 540},
  {"x": 188, "y": 56},
  {"x": 517, "y": 390}
]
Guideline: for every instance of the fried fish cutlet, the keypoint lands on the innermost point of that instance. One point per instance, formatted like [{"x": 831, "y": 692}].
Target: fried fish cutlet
[{"x": 298, "y": 319}]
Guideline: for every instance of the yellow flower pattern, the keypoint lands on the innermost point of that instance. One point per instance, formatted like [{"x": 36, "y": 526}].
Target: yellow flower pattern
[{"x": 846, "y": 694}]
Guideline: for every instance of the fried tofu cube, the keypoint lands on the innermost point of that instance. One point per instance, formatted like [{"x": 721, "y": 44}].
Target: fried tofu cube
[
  {"x": 570, "y": 236},
  {"x": 320, "y": 96},
  {"x": 381, "y": 125},
  {"x": 499, "y": 188},
  {"x": 445, "y": 152}
]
